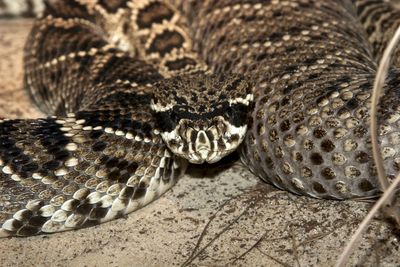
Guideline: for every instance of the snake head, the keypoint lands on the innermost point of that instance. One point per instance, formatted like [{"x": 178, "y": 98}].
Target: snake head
[{"x": 202, "y": 117}]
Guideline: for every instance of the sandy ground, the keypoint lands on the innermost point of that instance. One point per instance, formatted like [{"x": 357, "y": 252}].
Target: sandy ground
[{"x": 219, "y": 217}]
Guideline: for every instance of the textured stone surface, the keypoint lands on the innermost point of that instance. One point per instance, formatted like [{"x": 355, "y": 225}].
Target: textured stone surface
[{"x": 214, "y": 217}]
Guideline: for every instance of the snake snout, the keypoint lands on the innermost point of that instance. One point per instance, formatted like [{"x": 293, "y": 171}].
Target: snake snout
[{"x": 203, "y": 147}]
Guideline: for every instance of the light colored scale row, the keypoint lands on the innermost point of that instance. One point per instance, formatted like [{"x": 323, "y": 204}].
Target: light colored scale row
[{"x": 60, "y": 210}]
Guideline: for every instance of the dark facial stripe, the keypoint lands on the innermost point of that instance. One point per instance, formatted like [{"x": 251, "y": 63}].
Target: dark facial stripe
[
  {"x": 166, "y": 121},
  {"x": 238, "y": 114}
]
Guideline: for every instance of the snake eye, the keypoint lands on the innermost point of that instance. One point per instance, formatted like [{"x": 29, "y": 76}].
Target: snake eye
[
  {"x": 167, "y": 120},
  {"x": 174, "y": 117},
  {"x": 237, "y": 114}
]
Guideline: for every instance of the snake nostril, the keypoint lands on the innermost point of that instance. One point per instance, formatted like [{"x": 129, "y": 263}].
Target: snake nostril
[{"x": 193, "y": 136}]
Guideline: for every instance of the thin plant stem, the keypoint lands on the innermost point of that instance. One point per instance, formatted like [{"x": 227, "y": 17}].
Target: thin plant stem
[
  {"x": 363, "y": 225},
  {"x": 376, "y": 93}
]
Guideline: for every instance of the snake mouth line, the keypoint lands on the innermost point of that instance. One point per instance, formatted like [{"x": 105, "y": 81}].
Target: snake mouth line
[
  {"x": 198, "y": 160},
  {"x": 211, "y": 151}
]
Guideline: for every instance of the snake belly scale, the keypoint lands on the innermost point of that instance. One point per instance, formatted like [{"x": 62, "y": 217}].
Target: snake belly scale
[{"x": 137, "y": 89}]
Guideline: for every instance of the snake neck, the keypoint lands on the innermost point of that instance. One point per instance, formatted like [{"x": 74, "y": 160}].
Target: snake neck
[{"x": 161, "y": 37}]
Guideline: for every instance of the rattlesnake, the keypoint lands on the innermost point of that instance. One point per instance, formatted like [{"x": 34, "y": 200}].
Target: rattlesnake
[{"x": 136, "y": 89}]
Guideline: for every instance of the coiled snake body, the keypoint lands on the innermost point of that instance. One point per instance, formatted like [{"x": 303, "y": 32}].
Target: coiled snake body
[{"x": 138, "y": 88}]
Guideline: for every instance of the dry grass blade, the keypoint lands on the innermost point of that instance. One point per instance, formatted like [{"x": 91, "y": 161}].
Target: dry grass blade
[
  {"x": 363, "y": 225},
  {"x": 376, "y": 93},
  {"x": 389, "y": 190}
]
